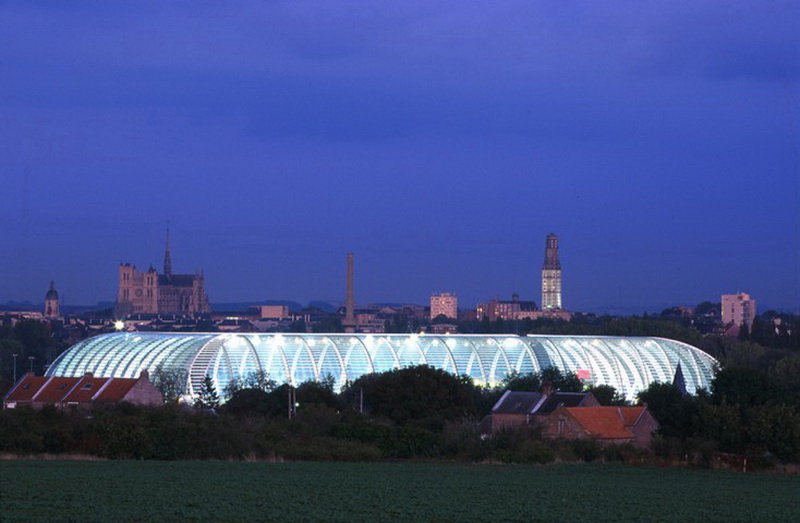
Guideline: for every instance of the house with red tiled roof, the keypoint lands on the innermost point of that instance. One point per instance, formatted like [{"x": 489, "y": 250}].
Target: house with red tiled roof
[
  {"x": 517, "y": 409},
  {"x": 83, "y": 392},
  {"x": 610, "y": 425}
]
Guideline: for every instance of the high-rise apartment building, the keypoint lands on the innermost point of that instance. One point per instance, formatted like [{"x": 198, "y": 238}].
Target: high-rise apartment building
[
  {"x": 738, "y": 309},
  {"x": 551, "y": 275},
  {"x": 445, "y": 304}
]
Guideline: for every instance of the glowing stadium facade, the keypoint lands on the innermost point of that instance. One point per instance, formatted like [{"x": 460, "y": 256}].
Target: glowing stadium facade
[{"x": 629, "y": 364}]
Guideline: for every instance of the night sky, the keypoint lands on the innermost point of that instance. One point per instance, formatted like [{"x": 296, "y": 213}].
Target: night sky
[{"x": 438, "y": 141}]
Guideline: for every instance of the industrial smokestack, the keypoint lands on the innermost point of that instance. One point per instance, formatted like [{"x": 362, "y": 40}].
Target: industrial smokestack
[{"x": 349, "y": 315}]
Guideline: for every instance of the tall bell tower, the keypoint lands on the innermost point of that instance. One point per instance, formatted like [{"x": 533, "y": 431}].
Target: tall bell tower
[{"x": 551, "y": 275}]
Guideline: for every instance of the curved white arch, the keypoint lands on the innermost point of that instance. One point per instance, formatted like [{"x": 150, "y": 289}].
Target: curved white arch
[{"x": 627, "y": 363}]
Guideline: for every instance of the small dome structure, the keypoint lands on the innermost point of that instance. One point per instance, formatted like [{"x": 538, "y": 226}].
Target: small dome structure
[{"x": 52, "y": 294}]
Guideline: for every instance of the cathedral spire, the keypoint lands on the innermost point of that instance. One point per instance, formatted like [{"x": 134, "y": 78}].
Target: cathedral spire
[{"x": 167, "y": 258}]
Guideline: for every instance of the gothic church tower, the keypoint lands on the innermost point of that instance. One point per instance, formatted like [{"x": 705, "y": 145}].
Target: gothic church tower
[{"x": 551, "y": 275}]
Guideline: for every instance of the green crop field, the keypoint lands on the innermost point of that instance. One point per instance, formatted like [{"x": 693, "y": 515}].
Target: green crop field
[{"x": 234, "y": 491}]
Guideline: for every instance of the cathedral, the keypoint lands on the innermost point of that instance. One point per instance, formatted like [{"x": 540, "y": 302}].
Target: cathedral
[{"x": 147, "y": 292}]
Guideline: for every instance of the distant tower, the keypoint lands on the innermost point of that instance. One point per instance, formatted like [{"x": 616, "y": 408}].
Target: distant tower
[
  {"x": 167, "y": 259},
  {"x": 51, "y": 302},
  {"x": 349, "y": 322},
  {"x": 551, "y": 275}
]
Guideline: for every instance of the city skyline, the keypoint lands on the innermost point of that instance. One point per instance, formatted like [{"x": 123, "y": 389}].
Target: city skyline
[
  {"x": 439, "y": 143},
  {"x": 551, "y": 256}
]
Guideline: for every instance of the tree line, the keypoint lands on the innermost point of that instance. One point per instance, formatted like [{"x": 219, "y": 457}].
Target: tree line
[{"x": 412, "y": 413}]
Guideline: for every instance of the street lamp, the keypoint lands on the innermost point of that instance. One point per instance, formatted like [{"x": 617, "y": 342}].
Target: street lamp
[
  {"x": 15, "y": 367},
  {"x": 30, "y": 359}
]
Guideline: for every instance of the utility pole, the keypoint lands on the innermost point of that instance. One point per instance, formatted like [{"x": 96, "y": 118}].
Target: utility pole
[
  {"x": 15, "y": 367},
  {"x": 292, "y": 401},
  {"x": 289, "y": 400}
]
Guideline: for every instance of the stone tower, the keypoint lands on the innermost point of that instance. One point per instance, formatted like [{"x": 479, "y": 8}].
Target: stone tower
[
  {"x": 551, "y": 275},
  {"x": 51, "y": 302}
]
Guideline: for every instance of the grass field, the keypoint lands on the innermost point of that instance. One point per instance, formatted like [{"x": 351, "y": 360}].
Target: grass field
[{"x": 186, "y": 491}]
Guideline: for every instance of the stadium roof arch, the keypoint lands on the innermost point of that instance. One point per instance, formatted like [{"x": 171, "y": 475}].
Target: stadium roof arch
[{"x": 629, "y": 364}]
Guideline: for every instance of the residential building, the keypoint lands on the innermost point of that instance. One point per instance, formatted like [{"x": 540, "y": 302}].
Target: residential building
[
  {"x": 444, "y": 304},
  {"x": 275, "y": 312},
  {"x": 608, "y": 425},
  {"x": 506, "y": 310},
  {"x": 81, "y": 392},
  {"x": 519, "y": 409},
  {"x": 738, "y": 309}
]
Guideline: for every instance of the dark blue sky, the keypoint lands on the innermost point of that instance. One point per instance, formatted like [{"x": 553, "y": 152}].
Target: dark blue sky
[{"x": 438, "y": 141}]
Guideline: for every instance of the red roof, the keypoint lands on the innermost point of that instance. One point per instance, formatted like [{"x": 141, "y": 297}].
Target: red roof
[
  {"x": 116, "y": 389},
  {"x": 631, "y": 415},
  {"x": 55, "y": 389},
  {"x": 86, "y": 388},
  {"x": 26, "y": 388},
  {"x": 606, "y": 422}
]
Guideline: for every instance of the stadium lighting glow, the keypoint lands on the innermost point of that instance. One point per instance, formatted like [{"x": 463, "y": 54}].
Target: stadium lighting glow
[{"x": 628, "y": 364}]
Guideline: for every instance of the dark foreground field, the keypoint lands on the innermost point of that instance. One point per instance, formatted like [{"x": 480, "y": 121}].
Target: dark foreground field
[{"x": 181, "y": 491}]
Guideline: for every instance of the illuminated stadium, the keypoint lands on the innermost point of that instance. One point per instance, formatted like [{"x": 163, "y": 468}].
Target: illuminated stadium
[{"x": 629, "y": 364}]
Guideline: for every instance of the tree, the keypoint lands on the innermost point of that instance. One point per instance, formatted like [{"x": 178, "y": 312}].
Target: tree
[
  {"x": 707, "y": 307},
  {"x": 672, "y": 410},
  {"x": 533, "y": 381},
  {"x": 607, "y": 395},
  {"x": 255, "y": 402},
  {"x": 37, "y": 342},
  {"x": 297, "y": 326},
  {"x": 171, "y": 383},
  {"x": 564, "y": 382},
  {"x": 441, "y": 318},
  {"x": 9, "y": 347},
  {"x": 422, "y": 396},
  {"x": 208, "y": 397},
  {"x": 257, "y": 379},
  {"x": 318, "y": 393},
  {"x": 529, "y": 382},
  {"x": 745, "y": 387},
  {"x": 744, "y": 332},
  {"x": 329, "y": 323}
]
